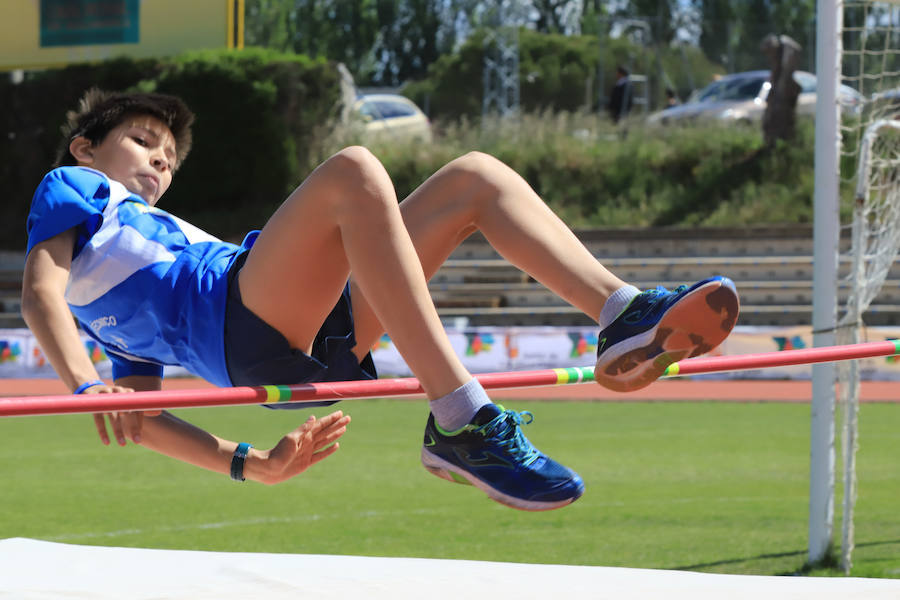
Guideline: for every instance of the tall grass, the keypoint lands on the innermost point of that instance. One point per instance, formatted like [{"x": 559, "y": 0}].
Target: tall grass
[{"x": 596, "y": 175}]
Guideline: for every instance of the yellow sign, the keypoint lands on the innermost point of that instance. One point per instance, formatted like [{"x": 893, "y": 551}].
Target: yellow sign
[{"x": 37, "y": 34}]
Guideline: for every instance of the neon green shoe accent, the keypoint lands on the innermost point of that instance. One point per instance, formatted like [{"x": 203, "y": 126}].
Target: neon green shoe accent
[
  {"x": 468, "y": 427},
  {"x": 457, "y": 478},
  {"x": 663, "y": 360}
]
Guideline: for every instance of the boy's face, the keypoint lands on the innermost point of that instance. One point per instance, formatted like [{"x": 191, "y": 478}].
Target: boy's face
[{"x": 139, "y": 153}]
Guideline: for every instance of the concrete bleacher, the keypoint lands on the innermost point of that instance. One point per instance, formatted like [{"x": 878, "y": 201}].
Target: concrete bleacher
[{"x": 772, "y": 267}]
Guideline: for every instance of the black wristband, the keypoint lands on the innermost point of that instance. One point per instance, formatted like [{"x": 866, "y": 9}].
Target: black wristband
[{"x": 237, "y": 461}]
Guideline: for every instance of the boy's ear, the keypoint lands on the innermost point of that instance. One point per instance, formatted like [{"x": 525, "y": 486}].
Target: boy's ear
[{"x": 82, "y": 149}]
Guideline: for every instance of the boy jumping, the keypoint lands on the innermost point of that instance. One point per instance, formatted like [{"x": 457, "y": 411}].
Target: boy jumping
[{"x": 154, "y": 291}]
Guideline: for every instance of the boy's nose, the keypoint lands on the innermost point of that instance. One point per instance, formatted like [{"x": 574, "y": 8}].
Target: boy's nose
[{"x": 159, "y": 162}]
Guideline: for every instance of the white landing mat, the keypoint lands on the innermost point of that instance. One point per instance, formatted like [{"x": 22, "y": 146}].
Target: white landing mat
[{"x": 36, "y": 570}]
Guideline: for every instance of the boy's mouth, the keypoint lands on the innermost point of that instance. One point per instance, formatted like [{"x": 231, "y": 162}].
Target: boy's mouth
[{"x": 153, "y": 180}]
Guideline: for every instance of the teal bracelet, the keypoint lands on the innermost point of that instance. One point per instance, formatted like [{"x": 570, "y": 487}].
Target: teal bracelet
[
  {"x": 237, "y": 461},
  {"x": 87, "y": 384}
]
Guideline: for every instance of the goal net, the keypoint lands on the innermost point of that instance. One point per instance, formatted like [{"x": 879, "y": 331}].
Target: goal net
[{"x": 870, "y": 164}]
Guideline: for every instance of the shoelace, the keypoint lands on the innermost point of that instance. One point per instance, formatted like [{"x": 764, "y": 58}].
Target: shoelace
[
  {"x": 505, "y": 431},
  {"x": 661, "y": 293}
]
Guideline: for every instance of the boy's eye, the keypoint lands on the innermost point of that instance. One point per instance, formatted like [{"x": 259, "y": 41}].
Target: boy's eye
[{"x": 140, "y": 141}]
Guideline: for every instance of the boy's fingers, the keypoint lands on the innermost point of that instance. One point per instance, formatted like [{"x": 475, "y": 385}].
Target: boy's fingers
[
  {"x": 329, "y": 438},
  {"x": 115, "y": 420},
  {"x": 329, "y": 420},
  {"x": 100, "y": 424},
  {"x": 136, "y": 422},
  {"x": 322, "y": 454}
]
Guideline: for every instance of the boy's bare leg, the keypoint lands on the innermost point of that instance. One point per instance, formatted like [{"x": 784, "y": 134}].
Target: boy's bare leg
[
  {"x": 344, "y": 214},
  {"x": 479, "y": 192}
]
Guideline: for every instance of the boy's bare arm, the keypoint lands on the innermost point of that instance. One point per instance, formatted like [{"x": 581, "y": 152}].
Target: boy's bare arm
[
  {"x": 126, "y": 423},
  {"x": 46, "y": 312},
  {"x": 297, "y": 451}
]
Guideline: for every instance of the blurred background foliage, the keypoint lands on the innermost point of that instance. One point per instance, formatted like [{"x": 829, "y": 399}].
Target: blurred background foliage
[{"x": 268, "y": 114}]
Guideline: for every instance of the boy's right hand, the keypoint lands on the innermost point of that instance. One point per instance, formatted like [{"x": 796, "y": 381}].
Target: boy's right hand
[
  {"x": 310, "y": 443},
  {"x": 125, "y": 425}
]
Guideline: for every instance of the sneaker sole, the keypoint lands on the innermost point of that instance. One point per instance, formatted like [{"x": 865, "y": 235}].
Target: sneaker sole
[
  {"x": 694, "y": 325},
  {"x": 441, "y": 468}
]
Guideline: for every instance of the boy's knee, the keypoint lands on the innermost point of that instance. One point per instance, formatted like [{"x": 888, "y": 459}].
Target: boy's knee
[
  {"x": 356, "y": 161},
  {"x": 481, "y": 174},
  {"x": 362, "y": 179},
  {"x": 478, "y": 163}
]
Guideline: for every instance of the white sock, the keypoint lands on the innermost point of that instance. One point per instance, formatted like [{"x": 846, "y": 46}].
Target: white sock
[
  {"x": 457, "y": 408},
  {"x": 615, "y": 304}
]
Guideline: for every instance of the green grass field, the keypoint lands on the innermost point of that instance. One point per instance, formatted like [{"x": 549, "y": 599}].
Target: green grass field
[{"x": 710, "y": 487}]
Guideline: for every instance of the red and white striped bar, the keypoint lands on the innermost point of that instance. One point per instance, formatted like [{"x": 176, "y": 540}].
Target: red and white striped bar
[{"x": 409, "y": 386}]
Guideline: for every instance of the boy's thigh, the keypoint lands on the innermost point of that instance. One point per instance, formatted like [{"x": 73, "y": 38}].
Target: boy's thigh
[
  {"x": 295, "y": 271},
  {"x": 258, "y": 354}
]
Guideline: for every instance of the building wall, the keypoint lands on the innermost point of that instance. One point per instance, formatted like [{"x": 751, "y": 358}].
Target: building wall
[{"x": 164, "y": 27}]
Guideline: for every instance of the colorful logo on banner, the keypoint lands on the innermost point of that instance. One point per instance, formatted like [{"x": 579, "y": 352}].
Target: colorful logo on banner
[
  {"x": 789, "y": 343},
  {"x": 478, "y": 342},
  {"x": 95, "y": 351},
  {"x": 582, "y": 344},
  {"x": 9, "y": 352},
  {"x": 38, "y": 358},
  {"x": 512, "y": 350},
  {"x": 383, "y": 343}
]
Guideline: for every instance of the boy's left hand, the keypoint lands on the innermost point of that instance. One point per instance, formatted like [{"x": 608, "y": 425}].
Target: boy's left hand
[{"x": 125, "y": 425}]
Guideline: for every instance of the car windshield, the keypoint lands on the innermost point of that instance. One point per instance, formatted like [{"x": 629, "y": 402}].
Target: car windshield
[
  {"x": 386, "y": 109},
  {"x": 731, "y": 89}
]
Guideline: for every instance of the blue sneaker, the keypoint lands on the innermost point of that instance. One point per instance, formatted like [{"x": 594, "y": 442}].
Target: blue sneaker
[
  {"x": 492, "y": 454},
  {"x": 660, "y": 327}
]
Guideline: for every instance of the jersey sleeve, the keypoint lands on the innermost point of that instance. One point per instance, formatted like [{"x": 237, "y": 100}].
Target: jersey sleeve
[
  {"x": 123, "y": 367},
  {"x": 67, "y": 197}
]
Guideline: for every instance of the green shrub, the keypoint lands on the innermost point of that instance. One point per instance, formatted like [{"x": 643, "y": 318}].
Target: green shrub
[
  {"x": 259, "y": 114},
  {"x": 556, "y": 72},
  {"x": 656, "y": 177}
]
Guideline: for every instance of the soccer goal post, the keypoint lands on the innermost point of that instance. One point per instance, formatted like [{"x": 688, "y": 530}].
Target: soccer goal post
[{"x": 857, "y": 150}]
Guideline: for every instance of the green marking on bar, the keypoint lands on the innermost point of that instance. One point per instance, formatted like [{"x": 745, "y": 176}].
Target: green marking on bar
[
  {"x": 588, "y": 373},
  {"x": 574, "y": 374},
  {"x": 896, "y": 346},
  {"x": 284, "y": 393},
  {"x": 671, "y": 370}
]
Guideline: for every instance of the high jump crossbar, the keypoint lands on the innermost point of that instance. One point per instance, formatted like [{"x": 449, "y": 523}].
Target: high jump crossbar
[{"x": 409, "y": 386}]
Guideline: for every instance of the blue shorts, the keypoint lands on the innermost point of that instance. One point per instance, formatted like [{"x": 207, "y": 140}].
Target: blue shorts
[{"x": 258, "y": 354}]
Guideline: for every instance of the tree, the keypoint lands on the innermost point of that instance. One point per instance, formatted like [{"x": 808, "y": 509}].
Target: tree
[
  {"x": 660, "y": 14},
  {"x": 268, "y": 24},
  {"x": 407, "y": 40},
  {"x": 731, "y": 31},
  {"x": 717, "y": 18},
  {"x": 339, "y": 30}
]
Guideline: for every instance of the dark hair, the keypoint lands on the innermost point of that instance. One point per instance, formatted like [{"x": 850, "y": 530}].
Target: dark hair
[{"x": 100, "y": 112}]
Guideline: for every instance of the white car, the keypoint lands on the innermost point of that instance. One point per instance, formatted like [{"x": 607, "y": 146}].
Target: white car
[
  {"x": 741, "y": 98},
  {"x": 392, "y": 117}
]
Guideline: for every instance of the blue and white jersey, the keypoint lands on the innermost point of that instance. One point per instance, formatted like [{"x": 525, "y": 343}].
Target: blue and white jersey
[{"x": 148, "y": 286}]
